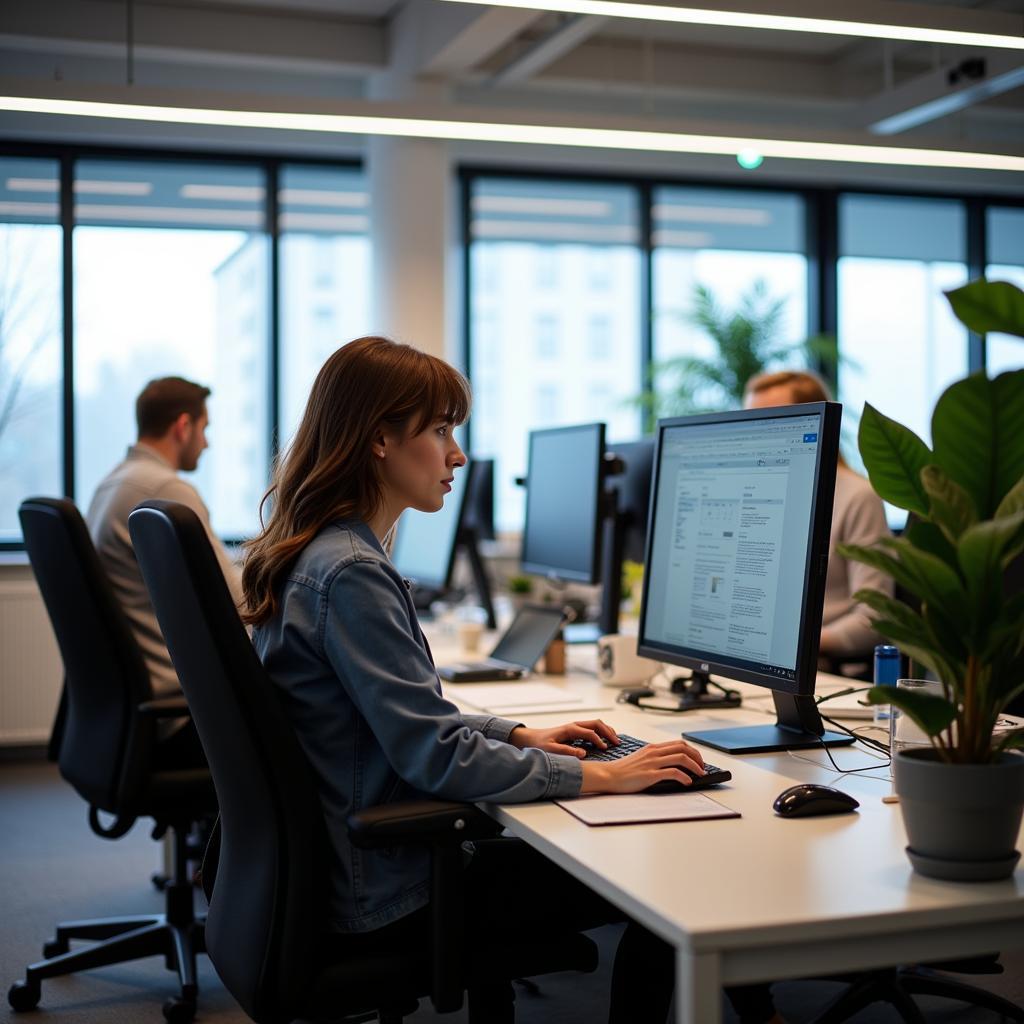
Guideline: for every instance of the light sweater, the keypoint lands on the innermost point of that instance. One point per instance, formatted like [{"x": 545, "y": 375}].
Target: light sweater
[
  {"x": 145, "y": 474},
  {"x": 858, "y": 517}
]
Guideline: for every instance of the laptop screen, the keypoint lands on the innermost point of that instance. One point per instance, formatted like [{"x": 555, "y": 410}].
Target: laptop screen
[{"x": 528, "y": 637}]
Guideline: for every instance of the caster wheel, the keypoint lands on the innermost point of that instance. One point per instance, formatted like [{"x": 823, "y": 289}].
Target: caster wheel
[
  {"x": 55, "y": 947},
  {"x": 179, "y": 1011},
  {"x": 22, "y": 996}
]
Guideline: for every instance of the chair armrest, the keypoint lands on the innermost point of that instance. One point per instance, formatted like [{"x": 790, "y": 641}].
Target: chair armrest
[
  {"x": 419, "y": 822},
  {"x": 166, "y": 707}
]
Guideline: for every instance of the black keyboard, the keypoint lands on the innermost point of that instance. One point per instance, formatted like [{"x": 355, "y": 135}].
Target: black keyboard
[{"x": 630, "y": 745}]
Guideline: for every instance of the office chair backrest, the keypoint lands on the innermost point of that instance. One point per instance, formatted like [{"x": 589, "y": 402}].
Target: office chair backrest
[
  {"x": 106, "y": 745},
  {"x": 263, "y": 918}
]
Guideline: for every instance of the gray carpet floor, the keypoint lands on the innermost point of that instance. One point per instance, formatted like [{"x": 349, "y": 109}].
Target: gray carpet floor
[{"x": 53, "y": 868}]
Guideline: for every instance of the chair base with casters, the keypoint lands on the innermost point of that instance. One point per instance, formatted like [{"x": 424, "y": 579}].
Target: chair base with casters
[
  {"x": 177, "y": 935},
  {"x": 897, "y": 986}
]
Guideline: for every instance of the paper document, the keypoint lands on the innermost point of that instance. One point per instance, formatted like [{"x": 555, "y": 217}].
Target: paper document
[
  {"x": 640, "y": 808},
  {"x": 522, "y": 698}
]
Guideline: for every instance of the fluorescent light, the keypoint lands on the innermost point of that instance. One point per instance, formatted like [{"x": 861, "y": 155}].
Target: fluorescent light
[
  {"x": 542, "y": 205},
  {"x": 32, "y": 184},
  {"x": 776, "y": 22},
  {"x": 252, "y": 219},
  {"x": 321, "y": 197},
  {"x": 113, "y": 188},
  {"x": 682, "y": 239},
  {"x": 48, "y": 210},
  {"x": 529, "y": 134},
  {"x": 712, "y": 214},
  {"x": 223, "y": 193},
  {"x": 292, "y": 220},
  {"x": 564, "y": 231}
]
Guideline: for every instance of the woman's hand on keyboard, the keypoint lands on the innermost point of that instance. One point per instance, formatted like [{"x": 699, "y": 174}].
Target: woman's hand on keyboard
[
  {"x": 557, "y": 740},
  {"x": 653, "y": 763}
]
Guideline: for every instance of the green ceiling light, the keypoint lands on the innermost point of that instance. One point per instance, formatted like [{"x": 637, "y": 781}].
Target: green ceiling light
[{"x": 749, "y": 159}]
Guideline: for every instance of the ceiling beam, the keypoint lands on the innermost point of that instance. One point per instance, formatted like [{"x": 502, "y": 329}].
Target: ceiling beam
[
  {"x": 548, "y": 49},
  {"x": 441, "y": 40},
  {"x": 307, "y": 43},
  {"x": 941, "y": 92}
]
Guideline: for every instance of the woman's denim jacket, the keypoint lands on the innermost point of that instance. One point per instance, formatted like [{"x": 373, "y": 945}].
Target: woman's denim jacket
[{"x": 359, "y": 684}]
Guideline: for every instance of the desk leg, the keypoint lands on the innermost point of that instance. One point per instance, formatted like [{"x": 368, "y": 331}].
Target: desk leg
[{"x": 698, "y": 988}]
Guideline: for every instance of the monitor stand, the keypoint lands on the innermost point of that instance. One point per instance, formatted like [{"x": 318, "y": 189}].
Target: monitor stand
[
  {"x": 694, "y": 692},
  {"x": 798, "y": 726}
]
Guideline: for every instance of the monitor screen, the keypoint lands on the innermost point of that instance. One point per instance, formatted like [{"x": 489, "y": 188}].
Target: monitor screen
[
  {"x": 479, "y": 511},
  {"x": 564, "y": 480},
  {"x": 738, "y": 543},
  {"x": 425, "y": 544}
]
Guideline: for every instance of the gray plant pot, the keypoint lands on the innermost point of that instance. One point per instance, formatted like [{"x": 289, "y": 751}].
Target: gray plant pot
[{"x": 962, "y": 820}]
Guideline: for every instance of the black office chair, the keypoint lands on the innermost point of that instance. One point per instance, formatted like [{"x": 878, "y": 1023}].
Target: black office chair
[
  {"x": 265, "y": 929},
  {"x": 110, "y": 753}
]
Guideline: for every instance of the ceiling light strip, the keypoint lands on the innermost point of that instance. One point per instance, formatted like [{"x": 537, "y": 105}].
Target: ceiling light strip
[
  {"x": 774, "y": 22},
  {"x": 529, "y": 134}
]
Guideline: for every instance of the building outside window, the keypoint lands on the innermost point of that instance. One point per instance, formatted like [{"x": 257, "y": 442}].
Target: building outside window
[
  {"x": 530, "y": 230},
  {"x": 30, "y": 336},
  {"x": 1005, "y": 263}
]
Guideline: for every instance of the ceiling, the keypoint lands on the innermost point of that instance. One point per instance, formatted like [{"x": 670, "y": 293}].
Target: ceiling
[{"x": 452, "y": 55}]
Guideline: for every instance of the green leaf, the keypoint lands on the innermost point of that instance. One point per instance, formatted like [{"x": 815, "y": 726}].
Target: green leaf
[
  {"x": 933, "y": 580},
  {"x": 951, "y": 506},
  {"x": 929, "y": 537},
  {"x": 984, "y": 306},
  {"x": 921, "y": 649},
  {"x": 894, "y": 457},
  {"x": 981, "y": 552},
  {"x": 978, "y": 433},
  {"x": 931, "y": 713},
  {"x": 1013, "y": 500}
]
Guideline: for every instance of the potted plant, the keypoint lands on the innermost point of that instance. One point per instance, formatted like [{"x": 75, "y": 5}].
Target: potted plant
[
  {"x": 519, "y": 588},
  {"x": 746, "y": 342},
  {"x": 962, "y": 797}
]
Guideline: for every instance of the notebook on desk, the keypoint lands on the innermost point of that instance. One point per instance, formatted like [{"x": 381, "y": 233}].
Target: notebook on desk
[{"x": 522, "y": 644}]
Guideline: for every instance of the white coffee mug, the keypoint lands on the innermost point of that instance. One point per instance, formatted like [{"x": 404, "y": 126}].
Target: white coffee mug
[{"x": 618, "y": 664}]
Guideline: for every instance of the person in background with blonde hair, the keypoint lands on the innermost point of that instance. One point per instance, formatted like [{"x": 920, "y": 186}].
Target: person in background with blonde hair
[
  {"x": 335, "y": 626},
  {"x": 858, "y": 517}
]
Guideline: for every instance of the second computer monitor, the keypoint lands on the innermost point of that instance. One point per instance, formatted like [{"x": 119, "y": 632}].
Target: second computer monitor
[
  {"x": 633, "y": 491},
  {"x": 564, "y": 503},
  {"x": 737, "y": 552}
]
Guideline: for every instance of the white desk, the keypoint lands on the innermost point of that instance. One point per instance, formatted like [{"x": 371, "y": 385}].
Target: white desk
[{"x": 760, "y": 898}]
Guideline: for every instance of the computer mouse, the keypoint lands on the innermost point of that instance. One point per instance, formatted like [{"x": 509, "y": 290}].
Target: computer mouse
[{"x": 809, "y": 799}]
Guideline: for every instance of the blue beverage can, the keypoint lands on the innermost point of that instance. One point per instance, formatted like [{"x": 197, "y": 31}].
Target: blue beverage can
[{"x": 887, "y": 665}]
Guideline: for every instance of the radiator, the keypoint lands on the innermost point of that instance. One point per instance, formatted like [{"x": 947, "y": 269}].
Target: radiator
[{"x": 31, "y": 671}]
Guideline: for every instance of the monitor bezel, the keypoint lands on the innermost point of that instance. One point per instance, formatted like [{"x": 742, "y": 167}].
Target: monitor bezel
[
  {"x": 453, "y": 548},
  {"x": 829, "y": 418},
  {"x": 555, "y": 572}
]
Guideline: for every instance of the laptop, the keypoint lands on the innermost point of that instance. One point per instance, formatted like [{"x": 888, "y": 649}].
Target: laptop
[{"x": 525, "y": 640}]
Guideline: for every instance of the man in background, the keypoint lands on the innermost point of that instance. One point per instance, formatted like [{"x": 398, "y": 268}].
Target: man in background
[{"x": 172, "y": 419}]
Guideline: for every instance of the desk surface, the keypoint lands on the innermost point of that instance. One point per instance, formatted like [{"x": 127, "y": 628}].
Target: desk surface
[{"x": 761, "y": 883}]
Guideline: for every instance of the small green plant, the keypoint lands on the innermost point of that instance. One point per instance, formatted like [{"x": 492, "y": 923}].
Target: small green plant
[
  {"x": 967, "y": 494},
  {"x": 519, "y": 585},
  {"x": 746, "y": 342}
]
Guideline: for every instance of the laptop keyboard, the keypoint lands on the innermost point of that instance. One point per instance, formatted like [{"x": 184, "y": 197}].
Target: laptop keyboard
[{"x": 713, "y": 775}]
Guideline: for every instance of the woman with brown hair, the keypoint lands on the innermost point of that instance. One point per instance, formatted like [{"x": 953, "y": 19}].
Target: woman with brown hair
[
  {"x": 858, "y": 517},
  {"x": 336, "y": 628}
]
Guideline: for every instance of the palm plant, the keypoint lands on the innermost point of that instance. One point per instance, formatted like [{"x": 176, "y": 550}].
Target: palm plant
[{"x": 747, "y": 343}]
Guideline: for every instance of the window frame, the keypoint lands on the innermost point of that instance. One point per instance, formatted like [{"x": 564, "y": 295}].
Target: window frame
[{"x": 67, "y": 157}]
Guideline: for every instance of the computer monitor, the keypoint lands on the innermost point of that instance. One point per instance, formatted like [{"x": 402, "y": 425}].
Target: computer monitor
[
  {"x": 479, "y": 512},
  {"x": 427, "y": 543},
  {"x": 633, "y": 493},
  {"x": 564, "y": 503},
  {"x": 737, "y": 551}
]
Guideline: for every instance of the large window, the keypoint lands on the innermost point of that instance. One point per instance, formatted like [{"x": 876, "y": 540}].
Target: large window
[
  {"x": 555, "y": 317},
  {"x": 325, "y": 274},
  {"x": 1005, "y": 263},
  {"x": 900, "y": 344},
  {"x": 718, "y": 253},
  {"x": 30, "y": 336},
  {"x": 171, "y": 278}
]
